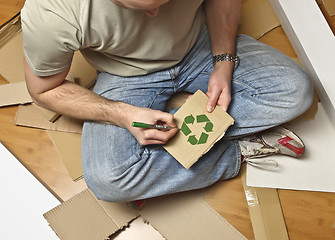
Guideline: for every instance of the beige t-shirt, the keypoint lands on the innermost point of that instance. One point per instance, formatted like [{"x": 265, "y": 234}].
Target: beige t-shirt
[{"x": 115, "y": 40}]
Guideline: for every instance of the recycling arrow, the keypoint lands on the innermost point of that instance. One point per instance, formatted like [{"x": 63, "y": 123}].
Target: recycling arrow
[{"x": 190, "y": 120}]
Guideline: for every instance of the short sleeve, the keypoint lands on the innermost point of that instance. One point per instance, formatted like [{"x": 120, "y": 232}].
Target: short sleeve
[{"x": 49, "y": 39}]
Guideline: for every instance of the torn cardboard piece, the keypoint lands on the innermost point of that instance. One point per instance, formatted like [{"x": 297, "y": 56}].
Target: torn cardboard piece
[
  {"x": 13, "y": 94},
  {"x": 84, "y": 217},
  {"x": 138, "y": 229},
  {"x": 257, "y": 18},
  {"x": 68, "y": 146},
  {"x": 199, "y": 130},
  {"x": 29, "y": 116}
]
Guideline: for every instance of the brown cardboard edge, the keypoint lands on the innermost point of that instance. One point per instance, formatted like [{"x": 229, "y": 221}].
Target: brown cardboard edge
[{"x": 265, "y": 211}]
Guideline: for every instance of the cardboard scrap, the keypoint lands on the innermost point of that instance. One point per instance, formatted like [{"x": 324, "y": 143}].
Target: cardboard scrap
[
  {"x": 68, "y": 146},
  {"x": 28, "y": 115},
  {"x": 13, "y": 94},
  {"x": 199, "y": 130},
  {"x": 257, "y": 18},
  {"x": 84, "y": 217}
]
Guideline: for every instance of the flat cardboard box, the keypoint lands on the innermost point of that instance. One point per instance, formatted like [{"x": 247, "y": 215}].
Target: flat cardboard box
[
  {"x": 182, "y": 216},
  {"x": 199, "y": 130}
]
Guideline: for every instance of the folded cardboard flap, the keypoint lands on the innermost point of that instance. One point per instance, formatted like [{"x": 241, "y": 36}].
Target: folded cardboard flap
[
  {"x": 199, "y": 130},
  {"x": 181, "y": 216}
]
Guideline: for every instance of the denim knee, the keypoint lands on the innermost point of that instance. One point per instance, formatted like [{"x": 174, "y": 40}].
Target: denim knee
[
  {"x": 107, "y": 188},
  {"x": 302, "y": 92}
]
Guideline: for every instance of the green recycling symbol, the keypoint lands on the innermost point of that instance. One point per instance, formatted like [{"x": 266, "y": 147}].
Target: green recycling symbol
[{"x": 190, "y": 119}]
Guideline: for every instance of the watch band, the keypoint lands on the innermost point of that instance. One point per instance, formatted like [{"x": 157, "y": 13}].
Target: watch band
[{"x": 227, "y": 57}]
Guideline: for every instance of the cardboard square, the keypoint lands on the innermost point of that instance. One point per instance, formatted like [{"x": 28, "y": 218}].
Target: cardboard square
[{"x": 199, "y": 130}]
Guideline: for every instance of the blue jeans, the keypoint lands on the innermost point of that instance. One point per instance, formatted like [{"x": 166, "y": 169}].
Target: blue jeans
[{"x": 268, "y": 89}]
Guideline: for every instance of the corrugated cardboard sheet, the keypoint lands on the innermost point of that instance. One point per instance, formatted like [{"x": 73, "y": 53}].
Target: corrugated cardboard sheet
[{"x": 183, "y": 216}]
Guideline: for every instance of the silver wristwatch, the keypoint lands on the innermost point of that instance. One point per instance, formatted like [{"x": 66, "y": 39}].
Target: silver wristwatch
[{"x": 227, "y": 57}]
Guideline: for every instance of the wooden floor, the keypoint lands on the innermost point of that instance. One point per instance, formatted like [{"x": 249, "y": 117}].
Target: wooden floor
[{"x": 308, "y": 215}]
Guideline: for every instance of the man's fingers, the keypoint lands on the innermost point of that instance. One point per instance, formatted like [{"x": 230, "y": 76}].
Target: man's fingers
[
  {"x": 155, "y": 136},
  {"x": 213, "y": 97},
  {"x": 224, "y": 101}
]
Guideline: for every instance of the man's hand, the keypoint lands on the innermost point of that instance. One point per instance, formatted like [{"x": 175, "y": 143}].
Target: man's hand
[
  {"x": 219, "y": 86},
  {"x": 151, "y": 136}
]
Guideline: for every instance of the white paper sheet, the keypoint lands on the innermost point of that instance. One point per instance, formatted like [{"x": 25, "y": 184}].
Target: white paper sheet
[
  {"x": 23, "y": 201},
  {"x": 315, "y": 171}
]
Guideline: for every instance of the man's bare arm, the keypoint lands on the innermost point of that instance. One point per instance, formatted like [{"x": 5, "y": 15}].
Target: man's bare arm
[
  {"x": 222, "y": 18},
  {"x": 67, "y": 98}
]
